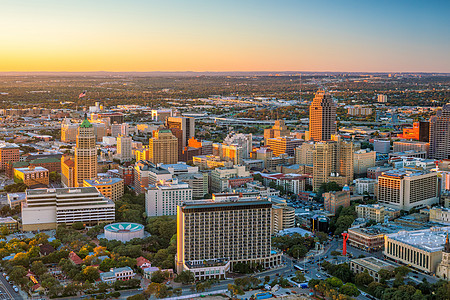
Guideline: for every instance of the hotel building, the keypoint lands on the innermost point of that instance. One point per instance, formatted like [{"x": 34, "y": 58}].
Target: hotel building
[
  {"x": 213, "y": 236},
  {"x": 162, "y": 198}
]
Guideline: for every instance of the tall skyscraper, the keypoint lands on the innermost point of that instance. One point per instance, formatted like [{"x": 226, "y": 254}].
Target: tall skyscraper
[
  {"x": 332, "y": 161},
  {"x": 124, "y": 148},
  {"x": 322, "y": 117},
  {"x": 186, "y": 124},
  {"x": 163, "y": 147},
  {"x": 85, "y": 154},
  {"x": 440, "y": 134}
]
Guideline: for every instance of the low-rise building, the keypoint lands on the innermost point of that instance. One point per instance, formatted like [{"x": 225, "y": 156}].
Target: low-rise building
[
  {"x": 420, "y": 249},
  {"x": 10, "y": 223},
  {"x": 205, "y": 162},
  {"x": 32, "y": 176},
  {"x": 365, "y": 185},
  {"x": 124, "y": 273},
  {"x": 293, "y": 183},
  {"x": 15, "y": 199},
  {"x": 110, "y": 187},
  {"x": 371, "y": 265},
  {"x": 333, "y": 200},
  {"x": 376, "y": 212},
  {"x": 440, "y": 215},
  {"x": 283, "y": 216}
]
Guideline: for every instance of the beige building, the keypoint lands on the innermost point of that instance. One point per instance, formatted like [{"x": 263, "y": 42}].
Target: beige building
[
  {"x": 376, "y": 212},
  {"x": 111, "y": 188},
  {"x": 440, "y": 215},
  {"x": 277, "y": 130},
  {"x": 407, "y": 188},
  {"x": 163, "y": 148},
  {"x": 443, "y": 269},
  {"x": 304, "y": 154},
  {"x": 333, "y": 200},
  {"x": 205, "y": 162},
  {"x": 283, "y": 216},
  {"x": 322, "y": 117},
  {"x": 362, "y": 160},
  {"x": 233, "y": 153},
  {"x": 359, "y": 110},
  {"x": 85, "y": 154},
  {"x": 371, "y": 265},
  {"x": 124, "y": 148},
  {"x": 68, "y": 131},
  {"x": 283, "y": 145},
  {"x": 402, "y": 146},
  {"x": 225, "y": 233},
  {"x": 220, "y": 177},
  {"x": 420, "y": 249},
  {"x": 332, "y": 161}
]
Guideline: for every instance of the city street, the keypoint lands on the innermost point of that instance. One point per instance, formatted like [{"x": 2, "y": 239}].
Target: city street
[{"x": 8, "y": 289}]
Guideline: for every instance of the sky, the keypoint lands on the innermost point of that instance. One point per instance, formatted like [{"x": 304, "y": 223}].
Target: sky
[{"x": 231, "y": 35}]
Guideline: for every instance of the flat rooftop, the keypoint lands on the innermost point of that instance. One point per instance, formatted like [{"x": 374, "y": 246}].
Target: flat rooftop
[
  {"x": 430, "y": 240},
  {"x": 103, "y": 181},
  {"x": 374, "y": 264},
  {"x": 32, "y": 169},
  {"x": 63, "y": 191}
]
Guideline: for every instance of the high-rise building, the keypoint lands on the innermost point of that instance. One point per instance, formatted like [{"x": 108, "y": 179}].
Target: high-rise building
[
  {"x": 281, "y": 145},
  {"x": 161, "y": 115},
  {"x": 332, "y": 161},
  {"x": 322, "y": 117},
  {"x": 362, "y": 160},
  {"x": 68, "y": 131},
  {"x": 334, "y": 200},
  {"x": 220, "y": 177},
  {"x": 212, "y": 236},
  {"x": 46, "y": 208},
  {"x": 402, "y": 146},
  {"x": 407, "y": 188},
  {"x": 242, "y": 140},
  {"x": 110, "y": 187},
  {"x": 124, "y": 148},
  {"x": 304, "y": 154},
  {"x": 231, "y": 153},
  {"x": 419, "y": 132},
  {"x": 85, "y": 154},
  {"x": 187, "y": 126},
  {"x": 162, "y": 198},
  {"x": 440, "y": 134},
  {"x": 163, "y": 147},
  {"x": 382, "y": 146},
  {"x": 146, "y": 173},
  {"x": 277, "y": 130}
]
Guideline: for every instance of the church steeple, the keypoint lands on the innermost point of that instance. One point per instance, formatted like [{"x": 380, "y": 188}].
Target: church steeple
[{"x": 447, "y": 245}]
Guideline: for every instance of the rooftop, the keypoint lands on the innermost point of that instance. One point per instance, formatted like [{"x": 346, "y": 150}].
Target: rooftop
[
  {"x": 201, "y": 204},
  {"x": 430, "y": 240},
  {"x": 103, "y": 181},
  {"x": 374, "y": 264},
  {"x": 63, "y": 191},
  {"x": 32, "y": 169}
]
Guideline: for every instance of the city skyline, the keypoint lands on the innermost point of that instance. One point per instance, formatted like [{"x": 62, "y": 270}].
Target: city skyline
[{"x": 253, "y": 36}]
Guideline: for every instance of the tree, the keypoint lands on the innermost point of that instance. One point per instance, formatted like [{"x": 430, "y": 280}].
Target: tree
[
  {"x": 4, "y": 230},
  {"x": 90, "y": 274},
  {"x": 38, "y": 268},
  {"x": 78, "y": 226},
  {"x": 159, "y": 276},
  {"x": 299, "y": 277},
  {"x": 363, "y": 278},
  {"x": 323, "y": 237},
  {"x": 266, "y": 279},
  {"x": 402, "y": 270},
  {"x": 298, "y": 251},
  {"x": 185, "y": 277},
  {"x": 17, "y": 274},
  {"x": 54, "y": 176},
  {"x": 21, "y": 259},
  {"x": 384, "y": 275},
  {"x": 177, "y": 292},
  {"x": 136, "y": 297},
  {"x": 349, "y": 289},
  {"x": 234, "y": 290},
  {"x": 334, "y": 282}
]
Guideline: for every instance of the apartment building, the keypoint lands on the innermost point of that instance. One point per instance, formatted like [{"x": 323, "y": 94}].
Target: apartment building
[
  {"x": 277, "y": 130},
  {"x": 46, "y": 208},
  {"x": 124, "y": 148},
  {"x": 110, "y": 187},
  {"x": 365, "y": 185},
  {"x": 362, "y": 160},
  {"x": 213, "y": 236},
  {"x": 162, "y": 198},
  {"x": 205, "y": 162},
  {"x": 199, "y": 182},
  {"x": 407, "y": 188},
  {"x": 283, "y": 216}
]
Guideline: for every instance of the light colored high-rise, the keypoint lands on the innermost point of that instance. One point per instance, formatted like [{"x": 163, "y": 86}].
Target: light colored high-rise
[
  {"x": 233, "y": 153},
  {"x": 162, "y": 198},
  {"x": 440, "y": 134},
  {"x": 304, "y": 154},
  {"x": 220, "y": 176},
  {"x": 124, "y": 148},
  {"x": 382, "y": 98},
  {"x": 213, "y": 236},
  {"x": 242, "y": 140},
  {"x": 322, "y": 117},
  {"x": 163, "y": 147},
  {"x": 407, "y": 188},
  {"x": 332, "y": 161},
  {"x": 68, "y": 131},
  {"x": 85, "y": 154},
  {"x": 362, "y": 160}
]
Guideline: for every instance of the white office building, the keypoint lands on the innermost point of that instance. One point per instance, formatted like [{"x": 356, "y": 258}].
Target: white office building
[
  {"x": 124, "y": 148},
  {"x": 162, "y": 198},
  {"x": 46, "y": 208}
]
